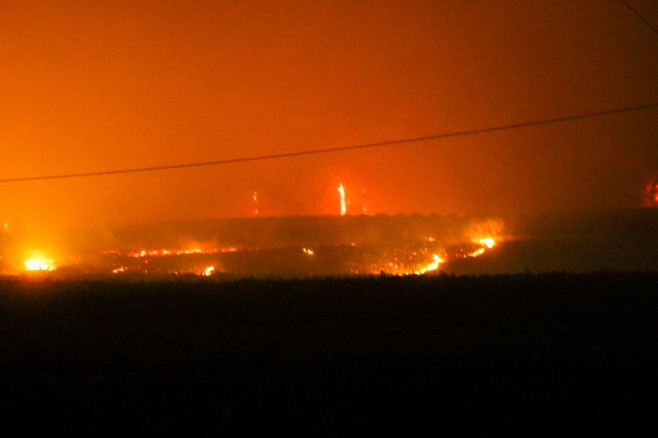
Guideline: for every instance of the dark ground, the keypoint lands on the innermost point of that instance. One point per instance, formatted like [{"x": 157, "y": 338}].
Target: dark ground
[{"x": 524, "y": 354}]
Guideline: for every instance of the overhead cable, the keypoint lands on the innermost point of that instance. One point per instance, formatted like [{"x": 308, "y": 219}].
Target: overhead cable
[
  {"x": 638, "y": 15},
  {"x": 337, "y": 149}
]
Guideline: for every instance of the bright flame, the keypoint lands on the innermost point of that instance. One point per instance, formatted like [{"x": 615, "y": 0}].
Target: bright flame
[
  {"x": 308, "y": 251},
  {"x": 343, "y": 205},
  {"x": 432, "y": 266},
  {"x": 39, "y": 265},
  {"x": 488, "y": 242},
  {"x": 209, "y": 270}
]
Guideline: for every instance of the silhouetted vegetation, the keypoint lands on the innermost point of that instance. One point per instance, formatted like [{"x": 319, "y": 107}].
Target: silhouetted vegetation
[{"x": 522, "y": 353}]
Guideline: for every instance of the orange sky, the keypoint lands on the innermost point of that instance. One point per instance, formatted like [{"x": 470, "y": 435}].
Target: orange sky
[{"x": 99, "y": 85}]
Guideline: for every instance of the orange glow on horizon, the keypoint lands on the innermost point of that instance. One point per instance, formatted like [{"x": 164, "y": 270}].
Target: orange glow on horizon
[{"x": 238, "y": 84}]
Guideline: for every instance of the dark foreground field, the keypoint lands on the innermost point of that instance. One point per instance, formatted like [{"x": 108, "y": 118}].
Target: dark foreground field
[{"x": 525, "y": 354}]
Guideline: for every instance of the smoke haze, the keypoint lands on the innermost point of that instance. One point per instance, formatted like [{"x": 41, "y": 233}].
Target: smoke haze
[{"x": 99, "y": 85}]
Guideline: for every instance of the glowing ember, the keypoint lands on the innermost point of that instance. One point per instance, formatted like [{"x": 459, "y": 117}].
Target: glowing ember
[
  {"x": 209, "y": 270},
  {"x": 120, "y": 269},
  {"x": 255, "y": 197},
  {"x": 343, "y": 205},
  {"x": 308, "y": 251},
  {"x": 476, "y": 253},
  {"x": 39, "y": 265},
  {"x": 166, "y": 252}
]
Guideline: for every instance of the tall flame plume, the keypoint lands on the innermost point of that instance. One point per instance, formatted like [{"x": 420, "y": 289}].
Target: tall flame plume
[{"x": 343, "y": 204}]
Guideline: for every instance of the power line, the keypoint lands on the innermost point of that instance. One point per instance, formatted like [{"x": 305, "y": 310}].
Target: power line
[
  {"x": 337, "y": 149},
  {"x": 647, "y": 22}
]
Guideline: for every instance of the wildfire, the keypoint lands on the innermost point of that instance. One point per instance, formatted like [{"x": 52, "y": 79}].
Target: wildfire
[
  {"x": 476, "y": 253},
  {"x": 488, "y": 242},
  {"x": 39, "y": 265},
  {"x": 166, "y": 252},
  {"x": 308, "y": 251},
  {"x": 343, "y": 204},
  {"x": 209, "y": 270},
  {"x": 401, "y": 267},
  {"x": 432, "y": 266}
]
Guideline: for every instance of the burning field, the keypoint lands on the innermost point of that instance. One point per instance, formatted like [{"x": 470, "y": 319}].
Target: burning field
[
  {"x": 139, "y": 331},
  {"x": 320, "y": 246},
  {"x": 271, "y": 247}
]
